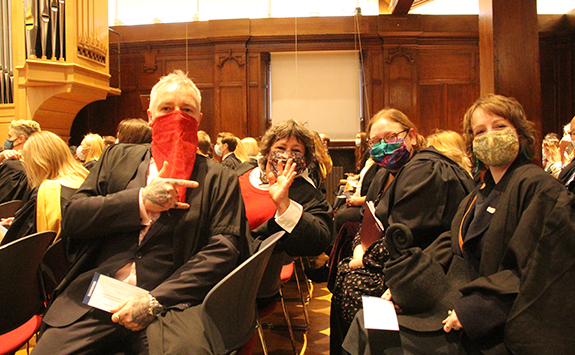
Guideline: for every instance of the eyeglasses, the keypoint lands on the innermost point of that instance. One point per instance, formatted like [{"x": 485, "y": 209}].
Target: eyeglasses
[{"x": 387, "y": 139}]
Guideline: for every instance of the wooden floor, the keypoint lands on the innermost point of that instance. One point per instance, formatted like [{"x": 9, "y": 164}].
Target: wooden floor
[{"x": 312, "y": 341}]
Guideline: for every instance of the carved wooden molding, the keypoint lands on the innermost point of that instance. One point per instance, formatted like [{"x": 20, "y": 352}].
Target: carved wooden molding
[
  {"x": 399, "y": 53},
  {"x": 238, "y": 58},
  {"x": 150, "y": 65}
]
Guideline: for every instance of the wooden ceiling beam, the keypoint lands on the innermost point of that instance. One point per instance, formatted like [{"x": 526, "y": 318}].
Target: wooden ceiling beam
[
  {"x": 400, "y": 7},
  {"x": 384, "y": 7}
]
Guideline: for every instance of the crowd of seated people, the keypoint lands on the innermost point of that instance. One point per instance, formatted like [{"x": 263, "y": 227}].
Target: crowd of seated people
[{"x": 489, "y": 258}]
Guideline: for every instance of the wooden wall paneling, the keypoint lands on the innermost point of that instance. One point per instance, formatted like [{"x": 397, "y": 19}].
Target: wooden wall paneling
[
  {"x": 431, "y": 100},
  {"x": 401, "y": 74},
  {"x": 375, "y": 88},
  {"x": 230, "y": 90},
  {"x": 258, "y": 93},
  {"x": 208, "y": 122},
  {"x": 459, "y": 97},
  {"x": 509, "y": 50}
]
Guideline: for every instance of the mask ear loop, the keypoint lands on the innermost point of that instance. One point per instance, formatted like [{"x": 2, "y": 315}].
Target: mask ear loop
[{"x": 478, "y": 164}]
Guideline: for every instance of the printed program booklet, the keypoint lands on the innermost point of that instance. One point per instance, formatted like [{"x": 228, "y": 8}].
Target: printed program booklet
[
  {"x": 107, "y": 293},
  {"x": 371, "y": 226}
]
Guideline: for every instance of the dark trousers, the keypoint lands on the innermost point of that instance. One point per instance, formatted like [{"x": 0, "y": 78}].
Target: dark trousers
[
  {"x": 94, "y": 333},
  {"x": 179, "y": 333},
  {"x": 361, "y": 341}
]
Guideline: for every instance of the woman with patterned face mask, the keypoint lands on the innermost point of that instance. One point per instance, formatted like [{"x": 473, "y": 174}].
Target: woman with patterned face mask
[
  {"x": 512, "y": 242},
  {"x": 279, "y": 195},
  {"x": 416, "y": 186},
  {"x": 515, "y": 236}
]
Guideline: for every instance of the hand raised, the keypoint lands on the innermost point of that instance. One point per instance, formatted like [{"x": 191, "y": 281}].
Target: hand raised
[
  {"x": 279, "y": 186},
  {"x": 161, "y": 193}
]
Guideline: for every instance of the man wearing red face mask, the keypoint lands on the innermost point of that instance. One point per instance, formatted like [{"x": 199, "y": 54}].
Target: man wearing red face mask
[{"x": 154, "y": 216}]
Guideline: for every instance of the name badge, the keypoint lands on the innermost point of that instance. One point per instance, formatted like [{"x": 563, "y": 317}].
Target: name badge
[{"x": 491, "y": 210}]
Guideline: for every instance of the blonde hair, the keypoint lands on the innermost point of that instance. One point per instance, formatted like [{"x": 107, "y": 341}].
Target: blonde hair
[
  {"x": 47, "y": 157},
  {"x": 240, "y": 151},
  {"x": 96, "y": 145},
  {"x": 452, "y": 145},
  {"x": 25, "y": 127},
  {"x": 250, "y": 146},
  {"x": 551, "y": 143}
]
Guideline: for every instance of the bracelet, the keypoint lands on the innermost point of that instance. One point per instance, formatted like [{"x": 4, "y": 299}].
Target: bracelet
[{"x": 155, "y": 308}]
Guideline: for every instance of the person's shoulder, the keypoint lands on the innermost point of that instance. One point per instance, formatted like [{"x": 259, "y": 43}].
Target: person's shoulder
[
  {"x": 533, "y": 175},
  {"x": 13, "y": 164}
]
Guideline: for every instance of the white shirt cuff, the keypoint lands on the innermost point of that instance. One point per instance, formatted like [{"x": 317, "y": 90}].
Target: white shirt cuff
[{"x": 291, "y": 216}]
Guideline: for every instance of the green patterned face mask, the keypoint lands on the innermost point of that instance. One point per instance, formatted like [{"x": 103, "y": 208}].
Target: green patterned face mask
[{"x": 496, "y": 148}]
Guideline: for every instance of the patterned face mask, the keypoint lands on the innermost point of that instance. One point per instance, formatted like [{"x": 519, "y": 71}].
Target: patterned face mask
[
  {"x": 283, "y": 155},
  {"x": 391, "y": 156},
  {"x": 496, "y": 148}
]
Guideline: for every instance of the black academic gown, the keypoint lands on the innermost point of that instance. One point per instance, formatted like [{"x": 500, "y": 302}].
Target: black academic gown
[
  {"x": 13, "y": 181},
  {"x": 183, "y": 255},
  {"x": 24, "y": 222},
  {"x": 521, "y": 297},
  {"x": 231, "y": 161},
  {"x": 424, "y": 196}
]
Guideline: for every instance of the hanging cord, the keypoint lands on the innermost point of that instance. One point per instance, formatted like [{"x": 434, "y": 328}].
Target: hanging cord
[
  {"x": 296, "y": 68},
  {"x": 361, "y": 61},
  {"x": 187, "y": 59}
]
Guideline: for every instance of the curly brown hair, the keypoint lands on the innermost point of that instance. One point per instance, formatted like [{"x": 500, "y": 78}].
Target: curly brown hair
[
  {"x": 290, "y": 128},
  {"x": 508, "y": 108}
]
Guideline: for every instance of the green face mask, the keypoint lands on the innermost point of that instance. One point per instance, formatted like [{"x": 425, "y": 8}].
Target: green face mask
[{"x": 497, "y": 148}]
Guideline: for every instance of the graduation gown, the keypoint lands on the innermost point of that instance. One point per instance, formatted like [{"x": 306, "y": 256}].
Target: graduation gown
[
  {"x": 24, "y": 222},
  {"x": 526, "y": 261},
  {"x": 13, "y": 181},
  {"x": 183, "y": 255},
  {"x": 424, "y": 195}
]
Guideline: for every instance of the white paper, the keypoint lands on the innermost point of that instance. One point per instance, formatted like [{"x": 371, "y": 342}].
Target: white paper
[
  {"x": 379, "y": 314},
  {"x": 107, "y": 293}
]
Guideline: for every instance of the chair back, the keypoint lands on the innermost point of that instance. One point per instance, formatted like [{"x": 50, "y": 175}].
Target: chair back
[
  {"x": 54, "y": 266},
  {"x": 9, "y": 208},
  {"x": 21, "y": 293},
  {"x": 229, "y": 311}
]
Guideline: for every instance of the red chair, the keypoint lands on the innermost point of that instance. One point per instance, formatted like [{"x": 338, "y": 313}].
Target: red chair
[{"x": 22, "y": 297}]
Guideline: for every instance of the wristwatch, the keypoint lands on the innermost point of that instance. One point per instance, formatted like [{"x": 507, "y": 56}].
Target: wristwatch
[{"x": 155, "y": 308}]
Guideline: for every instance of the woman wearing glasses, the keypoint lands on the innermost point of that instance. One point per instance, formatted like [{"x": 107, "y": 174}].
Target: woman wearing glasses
[{"x": 419, "y": 187}]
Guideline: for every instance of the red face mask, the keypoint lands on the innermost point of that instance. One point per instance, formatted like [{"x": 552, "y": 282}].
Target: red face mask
[{"x": 175, "y": 139}]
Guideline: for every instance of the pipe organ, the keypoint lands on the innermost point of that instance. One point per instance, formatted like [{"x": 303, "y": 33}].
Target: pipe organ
[{"x": 54, "y": 60}]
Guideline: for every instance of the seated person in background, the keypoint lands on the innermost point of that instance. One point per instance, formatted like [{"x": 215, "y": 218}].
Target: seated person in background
[
  {"x": 54, "y": 175},
  {"x": 452, "y": 145},
  {"x": 90, "y": 150},
  {"x": 566, "y": 149},
  {"x": 204, "y": 145},
  {"x": 419, "y": 187},
  {"x": 251, "y": 148},
  {"x": 109, "y": 140},
  {"x": 348, "y": 216},
  {"x": 551, "y": 159},
  {"x": 13, "y": 182},
  {"x": 134, "y": 131},
  {"x": 225, "y": 146},
  {"x": 567, "y": 174},
  {"x": 139, "y": 219},
  {"x": 279, "y": 195},
  {"x": 319, "y": 169}
]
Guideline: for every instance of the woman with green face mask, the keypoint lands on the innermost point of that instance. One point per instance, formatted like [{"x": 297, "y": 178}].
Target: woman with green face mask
[
  {"x": 417, "y": 186},
  {"x": 513, "y": 239}
]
